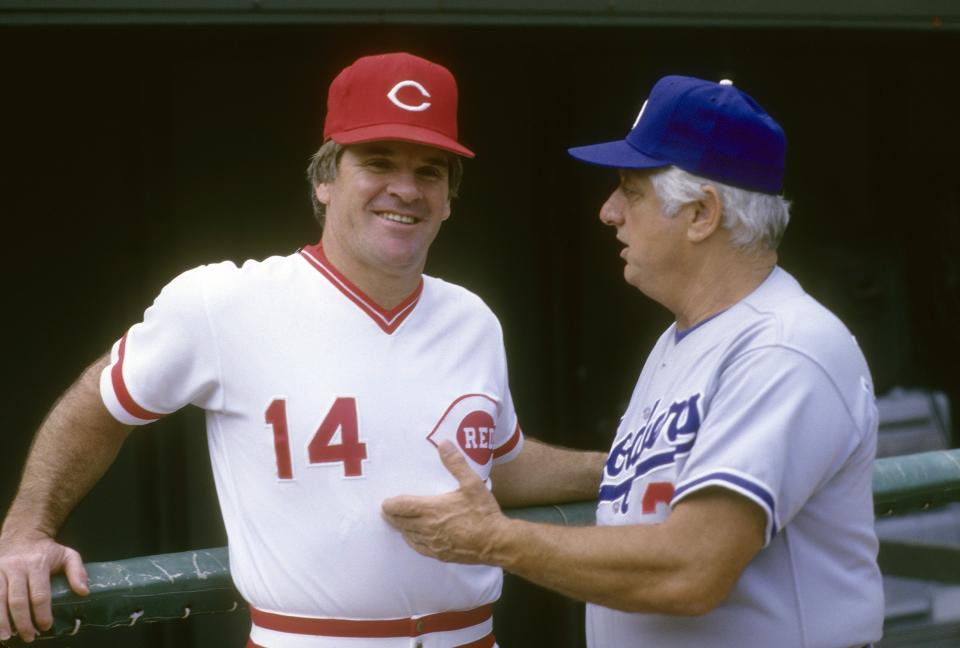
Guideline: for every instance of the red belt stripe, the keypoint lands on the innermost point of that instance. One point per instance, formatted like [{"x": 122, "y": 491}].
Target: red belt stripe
[
  {"x": 378, "y": 628},
  {"x": 486, "y": 642}
]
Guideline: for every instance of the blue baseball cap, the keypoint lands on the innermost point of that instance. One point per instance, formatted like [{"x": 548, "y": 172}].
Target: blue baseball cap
[{"x": 706, "y": 128}]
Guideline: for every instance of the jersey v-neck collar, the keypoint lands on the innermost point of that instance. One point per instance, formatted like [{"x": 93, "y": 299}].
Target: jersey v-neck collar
[
  {"x": 678, "y": 334},
  {"x": 388, "y": 320}
]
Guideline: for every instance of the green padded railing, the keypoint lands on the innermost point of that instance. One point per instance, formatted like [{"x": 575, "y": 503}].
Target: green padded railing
[
  {"x": 916, "y": 482},
  {"x": 147, "y": 588},
  {"x": 179, "y": 585}
]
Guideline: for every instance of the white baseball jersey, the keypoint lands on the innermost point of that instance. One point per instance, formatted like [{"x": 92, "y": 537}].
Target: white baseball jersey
[
  {"x": 319, "y": 405},
  {"x": 771, "y": 399}
]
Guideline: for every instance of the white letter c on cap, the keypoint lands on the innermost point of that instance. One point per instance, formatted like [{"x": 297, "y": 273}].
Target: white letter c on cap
[{"x": 392, "y": 96}]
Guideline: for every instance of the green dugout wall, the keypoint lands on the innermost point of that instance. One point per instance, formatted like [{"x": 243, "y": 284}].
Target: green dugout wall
[
  {"x": 143, "y": 138},
  {"x": 858, "y": 14}
]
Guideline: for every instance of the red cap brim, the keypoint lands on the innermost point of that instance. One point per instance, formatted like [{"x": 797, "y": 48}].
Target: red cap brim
[{"x": 402, "y": 133}]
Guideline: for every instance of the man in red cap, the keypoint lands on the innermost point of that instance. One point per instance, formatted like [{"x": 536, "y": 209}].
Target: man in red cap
[{"x": 329, "y": 377}]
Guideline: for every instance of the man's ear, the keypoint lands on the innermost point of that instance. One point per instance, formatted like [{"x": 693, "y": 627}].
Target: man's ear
[
  {"x": 446, "y": 209},
  {"x": 706, "y": 215},
  {"x": 322, "y": 192}
]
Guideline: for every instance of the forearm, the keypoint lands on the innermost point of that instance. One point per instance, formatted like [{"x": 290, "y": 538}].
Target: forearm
[
  {"x": 545, "y": 474},
  {"x": 634, "y": 568},
  {"x": 687, "y": 564},
  {"x": 73, "y": 448}
]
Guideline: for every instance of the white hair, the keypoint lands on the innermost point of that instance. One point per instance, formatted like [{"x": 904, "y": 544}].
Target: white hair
[{"x": 756, "y": 221}]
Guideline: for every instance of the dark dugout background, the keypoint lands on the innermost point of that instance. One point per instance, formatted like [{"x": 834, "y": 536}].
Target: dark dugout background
[{"x": 130, "y": 153}]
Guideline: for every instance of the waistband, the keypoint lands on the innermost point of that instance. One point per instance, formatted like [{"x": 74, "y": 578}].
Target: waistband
[
  {"x": 486, "y": 642},
  {"x": 372, "y": 628}
]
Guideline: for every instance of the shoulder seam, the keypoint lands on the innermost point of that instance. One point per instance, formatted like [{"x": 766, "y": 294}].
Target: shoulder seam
[
  {"x": 214, "y": 339},
  {"x": 820, "y": 369}
]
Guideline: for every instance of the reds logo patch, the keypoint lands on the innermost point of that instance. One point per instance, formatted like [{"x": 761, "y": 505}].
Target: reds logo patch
[{"x": 470, "y": 422}]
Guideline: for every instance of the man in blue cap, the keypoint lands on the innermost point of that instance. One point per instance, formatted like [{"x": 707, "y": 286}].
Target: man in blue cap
[{"x": 736, "y": 503}]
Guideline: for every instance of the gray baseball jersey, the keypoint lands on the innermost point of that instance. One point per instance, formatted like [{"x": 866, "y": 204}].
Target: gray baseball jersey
[{"x": 771, "y": 399}]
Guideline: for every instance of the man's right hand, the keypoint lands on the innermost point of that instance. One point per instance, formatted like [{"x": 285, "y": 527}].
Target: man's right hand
[{"x": 26, "y": 563}]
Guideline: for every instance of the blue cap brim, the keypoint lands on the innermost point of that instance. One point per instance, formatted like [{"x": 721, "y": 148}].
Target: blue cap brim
[{"x": 617, "y": 155}]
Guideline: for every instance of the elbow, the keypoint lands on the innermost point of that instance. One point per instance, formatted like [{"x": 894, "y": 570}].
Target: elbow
[
  {"x": 697, "y": 596},
  {"x": 695, "y": 604},
  {"x": 689, "y": 597}
]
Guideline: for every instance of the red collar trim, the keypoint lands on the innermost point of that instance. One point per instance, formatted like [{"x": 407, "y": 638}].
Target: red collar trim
[{"x": 388, "y": 320}]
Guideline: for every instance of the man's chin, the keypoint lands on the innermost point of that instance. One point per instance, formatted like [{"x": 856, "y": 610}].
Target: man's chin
[
  {"x": 403, "y": 260},
  {"x": 634, "y": 278}
]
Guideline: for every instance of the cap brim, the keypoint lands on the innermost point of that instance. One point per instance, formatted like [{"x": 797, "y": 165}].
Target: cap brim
[
  {"x": 619, "y": 155},
  {"x": 402, "y": 133}
]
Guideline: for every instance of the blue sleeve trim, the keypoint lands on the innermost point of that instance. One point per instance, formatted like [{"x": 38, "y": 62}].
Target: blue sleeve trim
[{"x": 738, "y": 483}]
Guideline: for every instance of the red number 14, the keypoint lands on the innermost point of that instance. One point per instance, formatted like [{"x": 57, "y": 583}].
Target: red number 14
[{"x": 343, "y": 416}]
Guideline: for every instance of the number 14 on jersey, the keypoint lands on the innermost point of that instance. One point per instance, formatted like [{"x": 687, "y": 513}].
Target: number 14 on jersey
[{"x": 350, "y": 452}]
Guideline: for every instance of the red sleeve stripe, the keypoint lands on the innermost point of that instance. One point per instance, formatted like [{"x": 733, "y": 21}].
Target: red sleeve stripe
[
  {"x": 120, "y": 388},
  {"x": 509, "y": 445}
]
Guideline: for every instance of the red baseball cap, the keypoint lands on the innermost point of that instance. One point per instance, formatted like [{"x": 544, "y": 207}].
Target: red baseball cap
[{"x": 394, "y": 96}]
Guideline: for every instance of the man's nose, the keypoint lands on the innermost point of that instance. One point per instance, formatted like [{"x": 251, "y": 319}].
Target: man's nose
[
  {"x": 611, "y": 213},
  {"x": 405, "y": 187}
]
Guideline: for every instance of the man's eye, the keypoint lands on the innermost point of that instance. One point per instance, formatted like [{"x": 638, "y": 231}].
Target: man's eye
[
  {"x": 434, "y": 173},
  {"x": 378, "y": 164}
]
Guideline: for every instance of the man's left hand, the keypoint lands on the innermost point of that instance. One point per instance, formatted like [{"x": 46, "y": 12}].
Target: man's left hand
[{"x": 460, "y": 526}]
